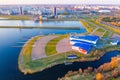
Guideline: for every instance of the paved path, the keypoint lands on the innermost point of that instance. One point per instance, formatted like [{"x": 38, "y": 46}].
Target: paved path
[
  {"x": 63, "y": 46},
  {"x": 39, "y": 50}
]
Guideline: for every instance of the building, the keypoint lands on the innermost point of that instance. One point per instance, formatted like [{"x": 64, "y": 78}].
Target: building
[
  {"x": 54, "y": 11},
  {"x": 21, "y": 11},
  {"x": 82, "y": 47},
  {"x": 88, "y": 38},
  {"x": 104, "y": 11},
  {"x": 83, "y": 44},
  {"x": 117, "y": 42},
  {"x": 72, "y": 42}
]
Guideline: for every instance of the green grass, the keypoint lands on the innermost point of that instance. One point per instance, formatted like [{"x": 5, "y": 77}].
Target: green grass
[
  {"x": 53, "y": 59},
  {"x": 16, "y": 17},
  {"x": 106, "y": 34},
  {"x": 107, "y": 27},
  {"x": 100, "y": 30},
  {"x": 51, "y": 45},
  {"x": 27, "y": 49},
  {"x": 81, "y": 77},
  {"x": 115, "y": 79},
  {"x": 85, "y": 24},
  {"x": 92, "y": 26}
]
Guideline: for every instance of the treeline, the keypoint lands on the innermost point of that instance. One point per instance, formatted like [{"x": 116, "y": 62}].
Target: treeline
[
  {"x": 111, "y": 19},
  {"x": 107, "y": 71}
]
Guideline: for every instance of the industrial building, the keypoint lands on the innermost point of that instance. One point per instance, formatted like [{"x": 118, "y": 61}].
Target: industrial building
[
  {"x": 82, "y": 47},
  {"x": 88, "y": 38},
  {"x": 83, "y": 44}
]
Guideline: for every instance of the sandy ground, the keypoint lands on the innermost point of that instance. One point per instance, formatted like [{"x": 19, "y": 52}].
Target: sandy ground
[
  {"x": 63, "y": 46},
  {"x": 39, "y": 50}
]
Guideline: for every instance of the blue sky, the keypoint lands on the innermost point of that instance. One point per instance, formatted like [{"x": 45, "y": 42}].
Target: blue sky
[{"x": 59, "y": 1}]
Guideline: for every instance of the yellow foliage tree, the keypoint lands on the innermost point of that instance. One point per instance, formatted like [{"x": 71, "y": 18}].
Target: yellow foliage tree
[{"x": 99, "y": 76}]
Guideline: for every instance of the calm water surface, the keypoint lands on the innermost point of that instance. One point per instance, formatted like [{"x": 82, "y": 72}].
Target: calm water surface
[
  {"x": 9, "y": 55},
  {"x": 40, "y": 23}
]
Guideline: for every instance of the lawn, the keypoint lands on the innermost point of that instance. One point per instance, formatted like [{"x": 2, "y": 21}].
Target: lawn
[
  {"x": 107, "y": 27},
  {"x": 106, "y": 34},
  {"x": 51, "y": 60},
  {"x": 51, "y": 45},
  {"x": 99, "y": 32},
  {"x": 27, "y": 49}
]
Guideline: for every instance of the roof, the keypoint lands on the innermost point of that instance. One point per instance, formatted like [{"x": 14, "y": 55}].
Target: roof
[
  {"x": 118, "y": 43},
  {"x": 78, "y": 41},
  {"x": 84, "y": 46},
  {"x": 73, "y": 55},
  {"x": 88, "y": 37}
]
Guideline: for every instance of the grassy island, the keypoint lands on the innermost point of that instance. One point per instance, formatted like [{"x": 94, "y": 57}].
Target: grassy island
[{"x": 27, "y": 65}]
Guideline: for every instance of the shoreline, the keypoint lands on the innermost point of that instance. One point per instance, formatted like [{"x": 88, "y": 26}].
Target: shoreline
[
  {"x": 38, "y": 69},
  {"x": 25, "y": 70},
  {"x": 40, "y": 27}
]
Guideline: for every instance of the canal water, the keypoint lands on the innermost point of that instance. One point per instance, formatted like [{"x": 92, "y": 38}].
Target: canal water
[
  {"x": 28, "y": 23},
  {"x": 9, "y": 55}
]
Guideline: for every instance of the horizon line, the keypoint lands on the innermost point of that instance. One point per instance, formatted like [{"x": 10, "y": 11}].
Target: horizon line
[{"x": 60, "y": 4}]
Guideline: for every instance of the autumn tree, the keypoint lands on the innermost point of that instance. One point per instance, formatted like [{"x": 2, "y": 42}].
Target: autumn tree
[{"x": 99, "y": 76}]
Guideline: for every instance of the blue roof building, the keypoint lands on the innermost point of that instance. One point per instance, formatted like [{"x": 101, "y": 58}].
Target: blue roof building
[
  {"x": 82, "y": 47},
  {"x": 78, "y": 41},
  {"x": 88, "y": 38}
]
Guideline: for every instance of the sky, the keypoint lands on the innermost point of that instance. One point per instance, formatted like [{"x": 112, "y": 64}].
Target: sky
[{"x": 4, "y": 2}]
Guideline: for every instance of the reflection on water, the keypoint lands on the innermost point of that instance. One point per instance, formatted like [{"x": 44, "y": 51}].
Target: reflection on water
[{"x": 40, "y": 23}]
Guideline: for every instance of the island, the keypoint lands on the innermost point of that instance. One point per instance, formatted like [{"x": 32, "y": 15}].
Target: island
[{"x": 45, "y": 51}]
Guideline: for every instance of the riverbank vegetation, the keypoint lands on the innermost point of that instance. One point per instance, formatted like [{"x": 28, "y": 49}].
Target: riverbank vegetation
[
  {"x": 107, "y": 71},
  {"x": 16, "y": 17},
  {"x": 88, "y": 28}
]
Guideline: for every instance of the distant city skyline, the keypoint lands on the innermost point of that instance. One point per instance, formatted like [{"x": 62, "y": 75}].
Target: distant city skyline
[{"x": 9, "y": 2}]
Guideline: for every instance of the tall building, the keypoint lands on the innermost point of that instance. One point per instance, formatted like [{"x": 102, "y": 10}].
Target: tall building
[
  {"x": 54, "y": 11},
  {"x": 21, "y": 11}
]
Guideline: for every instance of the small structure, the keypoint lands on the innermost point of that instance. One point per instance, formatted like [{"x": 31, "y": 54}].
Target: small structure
[
  {"x": 88, "y": 38},
  {"x": 82, "y": 47},
  {"x": 72, "y": 56},
  {"x": 104, "y": 11},
  {"x": 115, "y": 42}
]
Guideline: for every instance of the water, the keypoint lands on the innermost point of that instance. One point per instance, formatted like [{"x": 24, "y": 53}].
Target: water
[
  {"x": 44, "y": 23},
  {"x": 9, "y": 55}
]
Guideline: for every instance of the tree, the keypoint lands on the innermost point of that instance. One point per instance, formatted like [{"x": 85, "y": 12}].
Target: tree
[
  {"x": 99, "y": 76},
  {"x": 115, "y": 73}
]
